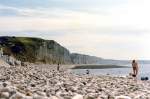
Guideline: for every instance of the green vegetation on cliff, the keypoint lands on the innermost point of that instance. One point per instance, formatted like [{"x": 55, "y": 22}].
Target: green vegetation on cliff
[{"x": 35, "y": 50}]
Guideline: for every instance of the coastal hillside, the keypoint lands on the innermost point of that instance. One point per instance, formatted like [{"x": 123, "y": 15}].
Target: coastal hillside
[
  {"x": 29, "y": 49},
  {"x": 85, "y": 59}
]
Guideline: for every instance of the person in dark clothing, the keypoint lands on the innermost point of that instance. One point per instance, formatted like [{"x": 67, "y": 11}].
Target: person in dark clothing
[
  {"x": 58, "y": 67},
  {"x": 87, "y": 71}
]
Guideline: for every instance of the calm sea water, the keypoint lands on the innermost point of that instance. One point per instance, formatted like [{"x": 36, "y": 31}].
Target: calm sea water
[{"x": 144, "y": 71}]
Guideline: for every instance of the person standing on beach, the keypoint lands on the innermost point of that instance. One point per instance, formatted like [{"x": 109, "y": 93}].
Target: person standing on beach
[
  {"x": 87, "y": 71},
  {"x": 58, "y": 67},
  {"x": 135, "y": 68}
]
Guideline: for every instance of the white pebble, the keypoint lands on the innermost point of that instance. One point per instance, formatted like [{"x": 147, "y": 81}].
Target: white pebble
[{"x": 78, "y": 96}]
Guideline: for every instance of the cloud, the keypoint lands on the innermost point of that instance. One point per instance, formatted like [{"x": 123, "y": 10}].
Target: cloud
[
  {"x": 65, "y": 4},
  {"x": 104, "y": 45},
  {"x": 114, "y": 29},
  {"x": 25, "y": 12}
]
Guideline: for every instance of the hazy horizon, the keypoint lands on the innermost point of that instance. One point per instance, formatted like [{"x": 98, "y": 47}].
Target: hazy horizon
[{"x": 111, "y": 29}]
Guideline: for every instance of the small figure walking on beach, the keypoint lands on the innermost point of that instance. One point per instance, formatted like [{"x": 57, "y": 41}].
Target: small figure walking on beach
[
  {"x": 135, "y": 68},
  {"x": 58, "y": 67},
  {"x": 87, "y": 71}
]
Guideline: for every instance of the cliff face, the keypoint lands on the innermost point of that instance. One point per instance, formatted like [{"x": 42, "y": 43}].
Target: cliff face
[
  {"x": 28, "y": 49},
  {"x": 35, "y": 50},
  {"x": 52, "y": 52},
  {"x": 85, "y": 59}
]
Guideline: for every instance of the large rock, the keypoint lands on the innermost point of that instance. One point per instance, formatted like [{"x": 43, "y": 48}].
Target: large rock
[
  {"x": 4, "y": 95},
  {"x": 3, "y": 63},
  {"x": 17, "y": 62}
]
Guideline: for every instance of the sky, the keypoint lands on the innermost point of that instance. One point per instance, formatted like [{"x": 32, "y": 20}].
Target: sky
[{"x": 111, "y": 29}]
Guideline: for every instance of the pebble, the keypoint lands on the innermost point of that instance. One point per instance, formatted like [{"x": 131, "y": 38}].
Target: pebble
[
  {"x": 4, "y": 84},
  {"x": 28, "y": 94},
  {"x": 43, "y": 82},
  {"x": 17, "y": 96},
  {"x": 53, "y": 97},
  {"x": 41, "y": 93},
  {"x": 4, "y": 95},
  {"x": 122, "y": 97},
  {"x": 78, "y": 96}
]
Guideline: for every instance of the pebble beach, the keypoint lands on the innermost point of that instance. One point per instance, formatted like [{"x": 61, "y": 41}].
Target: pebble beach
[{"x": 45, "y": 82}]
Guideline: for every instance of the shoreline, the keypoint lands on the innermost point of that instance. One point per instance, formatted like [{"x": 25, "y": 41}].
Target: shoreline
[{"x": 98, "y": 66}]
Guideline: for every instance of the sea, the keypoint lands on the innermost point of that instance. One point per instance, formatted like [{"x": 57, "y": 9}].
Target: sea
[{"x": 144, "y": 71}]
